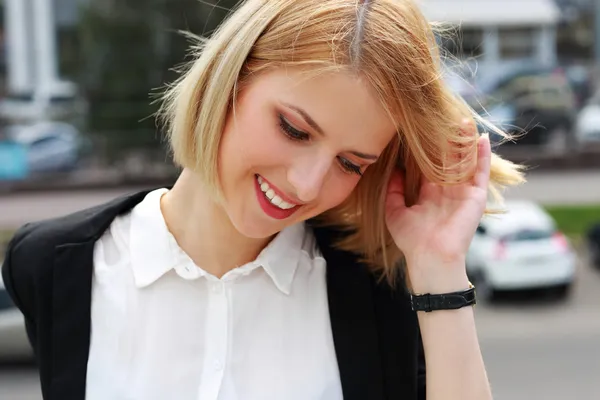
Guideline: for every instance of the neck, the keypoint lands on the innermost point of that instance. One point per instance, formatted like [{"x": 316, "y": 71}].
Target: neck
[{"x": 203, "y": 229}]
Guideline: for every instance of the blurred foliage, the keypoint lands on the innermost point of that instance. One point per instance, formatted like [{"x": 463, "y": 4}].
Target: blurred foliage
[
  {"x": 575, "y": 220},
  {"x": 5, "y": 236},
  {"x": 127, "y": 51}
]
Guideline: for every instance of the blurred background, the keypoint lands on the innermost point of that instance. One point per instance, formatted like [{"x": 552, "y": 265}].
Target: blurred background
[{"x": 76, "y": 129}]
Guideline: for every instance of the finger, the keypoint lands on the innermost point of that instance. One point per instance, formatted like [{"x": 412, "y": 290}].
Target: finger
[
  {"x": 395, "y": 191},
  {"x": 484, "y": 160}
]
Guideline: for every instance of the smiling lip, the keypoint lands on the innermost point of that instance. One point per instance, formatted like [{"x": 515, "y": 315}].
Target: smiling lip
[{"x": 270, "y": 209}]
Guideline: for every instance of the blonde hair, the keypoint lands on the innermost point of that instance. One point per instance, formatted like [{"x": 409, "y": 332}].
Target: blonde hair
[{"x": 390, "y": 44}]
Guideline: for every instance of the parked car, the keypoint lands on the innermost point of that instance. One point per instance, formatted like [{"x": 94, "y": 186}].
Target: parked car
[
  {"x": 587, "y": 124},
  {"x": 521, "y": 249},
  {"x": 593, "y": 242},
  {"x": 50, "y": 146},
  {"x": 14, "y": 345},
  {"x": 581, "y": 80},
  {"x": 540, "y": 97}
]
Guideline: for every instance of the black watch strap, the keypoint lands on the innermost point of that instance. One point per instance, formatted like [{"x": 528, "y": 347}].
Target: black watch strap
[{"x": 446, "y": 301}]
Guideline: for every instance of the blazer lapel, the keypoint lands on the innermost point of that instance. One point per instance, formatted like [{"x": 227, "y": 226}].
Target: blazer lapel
[
  {"x": 71, "y": 302},
  {"x": 353, "y": 322}
]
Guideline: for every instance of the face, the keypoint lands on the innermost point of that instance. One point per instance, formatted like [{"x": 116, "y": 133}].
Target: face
[{"x": 295, "y": 147}]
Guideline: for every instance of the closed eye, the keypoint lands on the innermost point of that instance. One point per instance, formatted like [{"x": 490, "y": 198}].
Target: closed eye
[
  {"x": 349, "y": 166},
  {"x": 291, "y": 132}
]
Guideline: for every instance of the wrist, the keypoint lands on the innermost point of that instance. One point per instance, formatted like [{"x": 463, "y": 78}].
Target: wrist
[{"x": 437, "y": 277}]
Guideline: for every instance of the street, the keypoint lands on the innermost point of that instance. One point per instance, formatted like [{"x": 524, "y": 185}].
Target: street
[{"x": 541, "y": 349}]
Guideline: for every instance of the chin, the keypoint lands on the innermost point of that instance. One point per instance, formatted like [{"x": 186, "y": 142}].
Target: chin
[{"x": 257, "y": 230}]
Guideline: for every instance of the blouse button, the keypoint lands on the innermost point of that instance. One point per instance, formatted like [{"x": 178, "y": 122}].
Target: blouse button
[
  {"x": 218, "y": 365},
  {"x": 187, "y": 271},
  {"x": 216, "y": 287}
]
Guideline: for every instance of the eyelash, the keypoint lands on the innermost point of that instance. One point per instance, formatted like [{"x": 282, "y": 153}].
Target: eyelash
[{"x": 293, "y": 134}]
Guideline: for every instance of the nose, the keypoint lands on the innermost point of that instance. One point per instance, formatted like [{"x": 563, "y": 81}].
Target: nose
[{"x": 307, "y": 176}]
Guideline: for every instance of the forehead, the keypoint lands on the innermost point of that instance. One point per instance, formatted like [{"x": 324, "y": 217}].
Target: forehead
[{"x": 344, "y": 105}]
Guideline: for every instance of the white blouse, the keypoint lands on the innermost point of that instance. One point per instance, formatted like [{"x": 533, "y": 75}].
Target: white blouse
[{"x": 165, "y": 329}]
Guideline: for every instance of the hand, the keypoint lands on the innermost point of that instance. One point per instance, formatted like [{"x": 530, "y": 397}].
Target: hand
[{"x": 435, "y": 233}]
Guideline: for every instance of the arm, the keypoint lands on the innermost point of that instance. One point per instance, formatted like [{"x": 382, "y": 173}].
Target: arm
[
  {"x": 455, "y": 368},
  {"x": 434, "y": 234}
]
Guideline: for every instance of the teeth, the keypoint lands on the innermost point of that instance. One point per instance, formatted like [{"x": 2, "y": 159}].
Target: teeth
[
  {"x": 276, "y": 200},
  {"x": 273, "y": 198}
]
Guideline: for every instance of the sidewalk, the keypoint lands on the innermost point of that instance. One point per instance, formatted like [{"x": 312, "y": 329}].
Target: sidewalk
[{"x": 560, "y": 187}]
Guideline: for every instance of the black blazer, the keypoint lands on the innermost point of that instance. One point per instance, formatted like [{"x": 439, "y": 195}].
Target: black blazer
[{"x": 48, "y": 273}]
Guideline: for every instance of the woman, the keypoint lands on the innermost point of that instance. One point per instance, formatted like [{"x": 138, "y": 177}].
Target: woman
[{"x": 324, "y": 163}]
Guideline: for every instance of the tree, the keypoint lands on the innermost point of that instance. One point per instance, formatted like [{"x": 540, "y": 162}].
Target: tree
[{"x": 128, "y": 50}]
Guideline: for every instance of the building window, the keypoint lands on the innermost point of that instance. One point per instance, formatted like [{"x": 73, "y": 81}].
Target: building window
[
  {"x": 517, "y": 42},
  {"x": 466, "y": 43}
]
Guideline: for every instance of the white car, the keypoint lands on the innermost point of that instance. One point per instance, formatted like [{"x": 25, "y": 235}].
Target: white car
[
  {"x": 14, "y": 345},
  {"x": 518, "y": 250},
  {"x": 587, "y": 124}
]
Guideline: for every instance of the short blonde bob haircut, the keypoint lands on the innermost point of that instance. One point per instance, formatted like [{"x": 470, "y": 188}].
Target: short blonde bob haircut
[{"x": 387, "y": 42}]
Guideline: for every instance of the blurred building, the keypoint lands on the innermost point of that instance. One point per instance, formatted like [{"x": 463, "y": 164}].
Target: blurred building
[
  {"x": 577, "y": 38},
  {"x": 33, "y": 85},
  {"x": 30, "y": 28},
  {"x": 494, "y": 31},
  {"x": 499, "y": 31}
]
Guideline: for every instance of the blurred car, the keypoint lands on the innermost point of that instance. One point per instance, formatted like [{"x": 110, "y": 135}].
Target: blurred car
[
  {"x": 14, "y": 345},
  {"x": 587, "y": 123},
  {"x": 503, "y": 116},
  {"x": 541, "y": 97},
  {"x": 50, "y": 146},
  {"x": 593, "y": 242},
  {"x": 519, "y": 250},
  {"x": 581, "y": 80}
]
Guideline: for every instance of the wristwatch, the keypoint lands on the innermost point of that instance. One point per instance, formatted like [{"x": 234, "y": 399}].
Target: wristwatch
[{"x": 445, "y": 301}]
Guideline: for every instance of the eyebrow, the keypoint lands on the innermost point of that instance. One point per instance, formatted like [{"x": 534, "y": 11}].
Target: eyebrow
[
  {"x": 306, "y": 117},
  {"x": 364, "y": 155},
  {"x": 320, "y": 130}
]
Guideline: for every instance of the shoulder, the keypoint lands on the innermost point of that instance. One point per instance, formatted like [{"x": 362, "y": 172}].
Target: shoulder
[
  {"x": 37, "y": 239},
  {"x": 29, "y": 256}
]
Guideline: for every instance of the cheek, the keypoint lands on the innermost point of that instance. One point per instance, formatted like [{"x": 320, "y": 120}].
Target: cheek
[{"x": 252, "y": 142}]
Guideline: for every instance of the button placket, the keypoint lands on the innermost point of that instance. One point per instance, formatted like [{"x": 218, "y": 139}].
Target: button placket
[
  {"x": 216, "y": 287},
  {"x": 218, "y": 365},
  {"x": 216, "y": 339}
]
